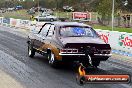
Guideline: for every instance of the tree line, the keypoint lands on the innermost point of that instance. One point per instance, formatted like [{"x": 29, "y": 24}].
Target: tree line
[
  {"x": 90, "y": 5},
  {"x": 103, "y": 7}
]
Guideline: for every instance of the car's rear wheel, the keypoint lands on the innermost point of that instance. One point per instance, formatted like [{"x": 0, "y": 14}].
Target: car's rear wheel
[
  {"x": 31, "y": 51},
  {"x": 89, "y": 62},
  {"x": 52, "y": 61},
  {"x": 95, "y": 63},
  {"x": 51, "y": 19}
]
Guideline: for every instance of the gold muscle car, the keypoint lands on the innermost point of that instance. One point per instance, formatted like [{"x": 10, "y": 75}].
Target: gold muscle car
[{"x": 68, "y": 41}]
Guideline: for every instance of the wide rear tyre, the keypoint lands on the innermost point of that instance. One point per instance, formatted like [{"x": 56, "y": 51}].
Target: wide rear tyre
[
  {"x": 96, "y": 64},
  {"x": 52, "y": 60}
]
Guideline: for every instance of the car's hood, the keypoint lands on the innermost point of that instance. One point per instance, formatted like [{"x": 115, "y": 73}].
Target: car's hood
[{"x": 81, "y": 40}]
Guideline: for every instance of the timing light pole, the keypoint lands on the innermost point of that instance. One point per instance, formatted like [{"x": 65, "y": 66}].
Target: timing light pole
[{"x": 113, "y": 8}]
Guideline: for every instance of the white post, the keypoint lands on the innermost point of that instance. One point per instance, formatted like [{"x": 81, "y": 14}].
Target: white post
[
  {"x": 130, "y": 19},
  {"x": 38, "y": 10},
  {"x": 113, "y": 8}
]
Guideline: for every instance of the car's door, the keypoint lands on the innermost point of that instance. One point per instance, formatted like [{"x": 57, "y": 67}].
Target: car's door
[
  {"x": 46, "y": 18},
  {"x": 50, "y": 36},
  {"x": 42, "y": 17},
  {"x": 41, "y": 36},
  {"x": 51, "y": 42}
]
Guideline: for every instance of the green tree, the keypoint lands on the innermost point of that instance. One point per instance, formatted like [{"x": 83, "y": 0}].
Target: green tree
[
  {"x": 123, "y": 7},
  {"x": 104, "y": 8}
]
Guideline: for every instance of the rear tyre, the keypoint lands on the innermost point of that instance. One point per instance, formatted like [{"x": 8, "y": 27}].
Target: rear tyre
[
  {"x": 51, "y": 20},
  {"x": 31, "y": 51},
  {"x": 96, "y": 64},
  {"x": 52, "y": 61}
]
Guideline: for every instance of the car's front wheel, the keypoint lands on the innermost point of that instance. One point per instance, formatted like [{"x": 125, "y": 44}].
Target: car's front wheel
[{"x": 31, "y": 51}]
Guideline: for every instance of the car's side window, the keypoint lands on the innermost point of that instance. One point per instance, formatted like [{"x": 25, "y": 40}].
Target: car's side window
[
  {"x": 51, "y": 31},
  {"x": 45, "y": 29}
]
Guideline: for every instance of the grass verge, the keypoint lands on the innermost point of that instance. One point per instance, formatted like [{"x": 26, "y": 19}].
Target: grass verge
[
  {"x": 120, "y": 29},
  {"x": 22, "y": 14}
]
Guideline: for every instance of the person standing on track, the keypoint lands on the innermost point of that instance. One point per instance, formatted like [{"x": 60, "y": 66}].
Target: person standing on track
[
  {"x": 32, "y": 18},
  {"x": 128, "y": 20},
  {"x": 124, "y": 20}
]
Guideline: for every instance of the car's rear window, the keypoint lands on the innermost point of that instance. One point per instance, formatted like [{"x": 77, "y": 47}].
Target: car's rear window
[{"x": 77, "y": 31}]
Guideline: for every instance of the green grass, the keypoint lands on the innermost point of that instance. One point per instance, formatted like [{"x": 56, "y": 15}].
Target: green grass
[
  {"x": 63, "y": 14},
  {"x": 120, "y": 29},
  {"x": 20, "y": 14}
]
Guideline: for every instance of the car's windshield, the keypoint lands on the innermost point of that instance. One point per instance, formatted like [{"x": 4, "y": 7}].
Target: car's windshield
[{"x": 77, "y": 31}]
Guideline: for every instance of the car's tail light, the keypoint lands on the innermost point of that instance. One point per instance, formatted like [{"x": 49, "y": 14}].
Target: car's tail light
[
  {"x": 63, "y": 50},
  {"x": 69, "y": 51},
  {"x": 75, "y": 50}
]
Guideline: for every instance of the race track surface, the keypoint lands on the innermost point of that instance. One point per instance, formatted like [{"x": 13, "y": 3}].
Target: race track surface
[{"x": 36, "y": 72}]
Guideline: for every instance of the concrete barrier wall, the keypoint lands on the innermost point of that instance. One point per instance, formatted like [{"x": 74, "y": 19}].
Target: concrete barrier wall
[
  {"x": 18, "y": 23},
  {"x": 118, "y": 40}
]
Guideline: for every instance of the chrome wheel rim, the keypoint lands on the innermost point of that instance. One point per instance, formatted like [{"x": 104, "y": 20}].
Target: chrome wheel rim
[{"x": 52, "y": 58}]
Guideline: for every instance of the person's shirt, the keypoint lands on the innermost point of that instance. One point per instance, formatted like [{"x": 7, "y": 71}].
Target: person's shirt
[{"x": 128, "y": 17}]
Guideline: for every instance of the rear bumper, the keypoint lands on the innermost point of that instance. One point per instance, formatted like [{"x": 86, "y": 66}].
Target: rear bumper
[
  {"x": 81, "y": 57},
  {"x": 108, "y": 55},
  {"x": 72, "y": 54}
]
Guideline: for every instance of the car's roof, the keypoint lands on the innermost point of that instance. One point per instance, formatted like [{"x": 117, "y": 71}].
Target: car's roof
[{"x": 69, "y": 24}]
